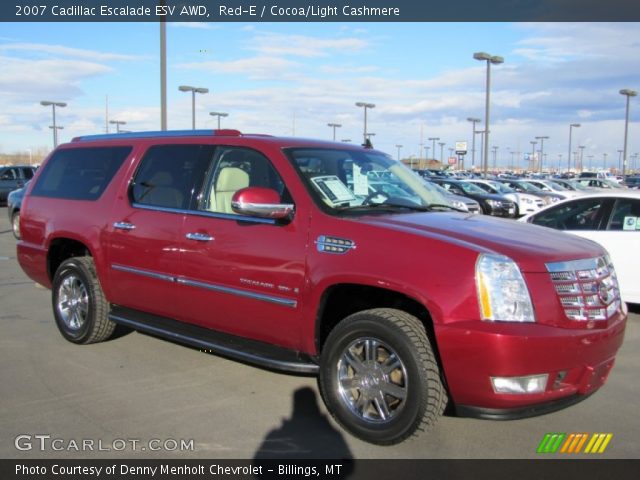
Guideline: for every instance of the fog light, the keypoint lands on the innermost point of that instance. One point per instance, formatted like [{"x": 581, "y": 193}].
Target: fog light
[{"x": 520, "y": 385}]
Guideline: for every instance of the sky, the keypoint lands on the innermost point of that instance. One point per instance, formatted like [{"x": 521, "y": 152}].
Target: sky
[{"x": 294, "y": 78}]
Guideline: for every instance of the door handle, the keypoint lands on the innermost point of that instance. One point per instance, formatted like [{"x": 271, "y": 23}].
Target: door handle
[
  {"x": 124, "y": 226},
  {"x": 199, "y": 237}
]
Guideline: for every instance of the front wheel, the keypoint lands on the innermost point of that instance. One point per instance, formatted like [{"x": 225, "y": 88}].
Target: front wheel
[
  {"x": 379, "y": 377},
  {"x": 79, "y": 306}
]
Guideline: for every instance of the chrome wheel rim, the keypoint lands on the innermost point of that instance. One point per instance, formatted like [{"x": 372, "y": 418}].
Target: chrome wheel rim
[
  {"x": 16, "y": 225},
  {"x": 73, "y": 302},
  {"x": 372, "y": 380}
]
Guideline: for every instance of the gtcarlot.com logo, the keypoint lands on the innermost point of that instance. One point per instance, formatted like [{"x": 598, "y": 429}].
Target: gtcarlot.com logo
[{"x": 574, "y": 443}]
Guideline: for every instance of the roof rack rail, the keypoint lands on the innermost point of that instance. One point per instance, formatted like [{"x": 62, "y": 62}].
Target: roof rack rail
[{"x": 159, "y": 134}]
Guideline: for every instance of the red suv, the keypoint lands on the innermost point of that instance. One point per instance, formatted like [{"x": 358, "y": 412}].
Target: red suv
[{"x": 321, "y": 258}]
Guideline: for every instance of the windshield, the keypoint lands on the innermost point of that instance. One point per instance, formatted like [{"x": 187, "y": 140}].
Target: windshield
[
  {"x": 528, "y": 187},
  {"x": 344, "y": 179},
  {"x": 502, "y": 188},
  {"x": 469, "y": 187}
]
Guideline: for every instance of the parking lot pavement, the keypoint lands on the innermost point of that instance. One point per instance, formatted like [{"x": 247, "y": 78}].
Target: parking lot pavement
[{"x": 127, "y": 397}]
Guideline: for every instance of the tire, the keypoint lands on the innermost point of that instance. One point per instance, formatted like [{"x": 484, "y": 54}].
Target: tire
[
  {"x": 386, "y": 398},
  {"x": 15, "y": 224},
  {"x": 79, "y": 306}
]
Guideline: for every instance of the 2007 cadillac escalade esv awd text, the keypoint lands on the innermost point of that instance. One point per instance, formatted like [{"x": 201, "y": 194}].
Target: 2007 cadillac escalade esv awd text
[{"x": 285, "y": 253}]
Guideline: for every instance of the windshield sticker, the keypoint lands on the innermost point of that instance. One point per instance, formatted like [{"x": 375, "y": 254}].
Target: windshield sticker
[
  {"x": 333, "y": 189},
  {"x": 360, "y": 181},
  {"x": 631, "y": 223}
]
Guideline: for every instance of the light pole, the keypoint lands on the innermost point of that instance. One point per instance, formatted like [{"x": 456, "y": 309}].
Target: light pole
[
  {"x": 495, "y": 60},
  {"x": 193, "y": 90},
  {"x": 627, "y": 93},
  {"x": 576, "y": 125},
  {"x": 604, "y": 161},
  {"x": 334, "y": 126},
  {"x": 581, "y": 147},
  {"x": 533, "y": 153},
  {"x": 117, "y": 123},
  {"x": 219, "y": 115},
  {"x": 442, "y": 144},
  {"x": 433, "y": 149},
  {"x": 398, "y": 147},
  {"x": 365, "y": 105},
  {"x": 542, "y": 139},
  {"x": 495, "y": 156},
  {"x": 620, "y": 152},
  {"x": 46, "y": 103},
  {"x": 473, "y": 141}
]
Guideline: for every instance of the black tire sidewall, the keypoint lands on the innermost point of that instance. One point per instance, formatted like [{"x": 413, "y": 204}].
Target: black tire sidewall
[
  {"x": 407, "y": 420},
  {"x": 74, "y": 267}
]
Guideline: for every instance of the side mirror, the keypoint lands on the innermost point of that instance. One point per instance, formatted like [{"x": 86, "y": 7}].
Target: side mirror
[{"x": 260, "y": 202}]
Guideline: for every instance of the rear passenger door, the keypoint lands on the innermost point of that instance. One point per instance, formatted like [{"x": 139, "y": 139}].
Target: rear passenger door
[
  {"x": 243, "y": 275},
  {"x": 144, "y": 234}
]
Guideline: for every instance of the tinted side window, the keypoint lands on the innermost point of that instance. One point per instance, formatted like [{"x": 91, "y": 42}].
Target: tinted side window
[
  {"x": 578, "y": 215},
  {"x": 80, "y": 173},
  {"x": 169, "y": 174},
  {"x": 28, "y": 173},
  {"x": 625, "y": 215}
]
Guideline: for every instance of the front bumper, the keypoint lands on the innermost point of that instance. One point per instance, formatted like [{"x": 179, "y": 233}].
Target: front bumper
[{"x": 577, "y": 362}]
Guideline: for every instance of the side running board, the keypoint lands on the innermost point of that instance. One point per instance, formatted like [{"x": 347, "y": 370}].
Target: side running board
[{"x": 249, "y": 351}]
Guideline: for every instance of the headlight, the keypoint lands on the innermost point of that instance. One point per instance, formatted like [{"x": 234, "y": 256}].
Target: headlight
[
  {"x": 495, "y": 203},
  {"x": 527, "y": 200},
  {"x": 459, "y": 205},
  {"x": 502, "y": 291}
]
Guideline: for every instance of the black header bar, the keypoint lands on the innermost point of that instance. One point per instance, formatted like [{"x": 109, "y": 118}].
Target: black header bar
[{"x": 320, "y": 10}]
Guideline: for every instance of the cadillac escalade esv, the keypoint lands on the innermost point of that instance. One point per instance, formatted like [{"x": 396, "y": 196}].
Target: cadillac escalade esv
[{"x": 326, "y": 259}]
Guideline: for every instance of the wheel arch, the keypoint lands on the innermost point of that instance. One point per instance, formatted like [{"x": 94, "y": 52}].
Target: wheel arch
[
  {"x": 62, "y": 248},
  {"x": 341, "y": 300}
]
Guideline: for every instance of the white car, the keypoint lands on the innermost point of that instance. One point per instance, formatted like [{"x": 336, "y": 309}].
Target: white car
[
  {"x": 553, "y": 187},
  {"x": 613, "y": 220},
  {"x": 525, "y": 202}
]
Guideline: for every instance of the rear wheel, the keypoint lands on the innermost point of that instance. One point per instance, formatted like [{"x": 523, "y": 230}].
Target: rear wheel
[
  {"x": 79, "y": 306},
  {"x": 379, "y": 377},
  {"x": 15, "y": 224}
]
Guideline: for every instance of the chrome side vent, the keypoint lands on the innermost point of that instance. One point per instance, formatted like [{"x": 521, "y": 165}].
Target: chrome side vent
[
  {"x": 587, "y": 289},
  {"x": 328, "y": 244}
]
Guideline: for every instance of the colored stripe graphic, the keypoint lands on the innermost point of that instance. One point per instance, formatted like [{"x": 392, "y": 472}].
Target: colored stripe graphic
[{"x": 573, "y": 443}]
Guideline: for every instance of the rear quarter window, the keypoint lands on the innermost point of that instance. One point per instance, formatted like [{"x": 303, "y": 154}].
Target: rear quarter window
[{"x": 80, "y": 173}]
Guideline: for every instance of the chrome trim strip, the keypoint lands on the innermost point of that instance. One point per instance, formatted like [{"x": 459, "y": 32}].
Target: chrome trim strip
[
  {"x": 144, "y": 273},
  {"x": 221, "y": 349},
  {"x": 208, "y": 286},
  {"x": 241, "y": 293},
  {"x": 574, "y": 265},
  {"x": 203, "y": 213}
]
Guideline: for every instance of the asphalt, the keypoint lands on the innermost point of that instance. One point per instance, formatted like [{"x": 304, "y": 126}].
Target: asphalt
[{"x": 58, "y": 399}]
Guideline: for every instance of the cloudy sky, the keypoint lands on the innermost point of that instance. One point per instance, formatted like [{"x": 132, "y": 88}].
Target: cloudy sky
[{"x": 294, "y": 78}]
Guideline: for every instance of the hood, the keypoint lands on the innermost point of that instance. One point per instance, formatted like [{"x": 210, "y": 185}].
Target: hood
[{"x": 528, "y": 245}]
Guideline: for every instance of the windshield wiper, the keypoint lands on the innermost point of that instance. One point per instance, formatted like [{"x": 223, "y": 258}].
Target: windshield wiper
[
  {"x": 438, "y": 206},
  {"x": 384, "y": 206}
]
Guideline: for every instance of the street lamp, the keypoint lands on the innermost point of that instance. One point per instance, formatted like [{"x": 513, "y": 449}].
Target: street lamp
[
  {"x": 117, "y": 123},
  {"x": 576, "y": 125},
  {"x": 581, "y": 147},
  {"x": 495, "y": 60},
  {"x": 433, "y": 150},
  {"x": 398, "y": 147},
  {"x": 334, "y": 126},
  {"x": 533, "y": 154},
  {"x": 442, "y": 144},
  {"x": 365, "y": 106},
  {"x": 193, "y": 90},
  {"x": 620, "y": 152},
  {"x": 604, "y": 160},
  {"x": 46, "y": 103},
  {"x": 473, "y": 141},
  {"x": 219, "y": 115},
  {"x": 628, "y": 93},
  {"x": 495, "y": 156},
  {"x": 542, "y": 139}
]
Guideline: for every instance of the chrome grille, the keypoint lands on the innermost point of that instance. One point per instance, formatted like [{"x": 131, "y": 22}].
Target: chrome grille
[{"x": 587, "y": 289}]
